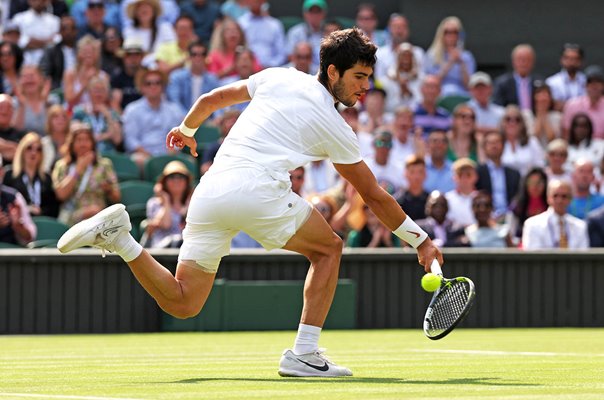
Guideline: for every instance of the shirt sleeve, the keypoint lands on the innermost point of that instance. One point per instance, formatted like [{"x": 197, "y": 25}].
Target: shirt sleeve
[{"x": 26, "y": 220}]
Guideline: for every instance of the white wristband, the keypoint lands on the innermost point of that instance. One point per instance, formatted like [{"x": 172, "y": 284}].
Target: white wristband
[
  {"x": 186, "y": 130},
  {"x": 411, "y": 233}
]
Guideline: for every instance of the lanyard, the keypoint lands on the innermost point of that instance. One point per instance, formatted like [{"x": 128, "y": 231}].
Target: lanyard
[{"x": 34, "y": 190}]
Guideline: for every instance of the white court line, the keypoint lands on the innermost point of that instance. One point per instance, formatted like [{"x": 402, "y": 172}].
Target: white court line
[
  {"x": 507, "y": 353},
  {"x": 59, "y": 396}
]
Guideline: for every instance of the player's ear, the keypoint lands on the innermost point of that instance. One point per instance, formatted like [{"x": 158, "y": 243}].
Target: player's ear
[{"x": 332, "y": 73}]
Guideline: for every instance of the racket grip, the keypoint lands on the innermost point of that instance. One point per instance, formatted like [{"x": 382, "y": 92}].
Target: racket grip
[{"x": 435, "y": 268}]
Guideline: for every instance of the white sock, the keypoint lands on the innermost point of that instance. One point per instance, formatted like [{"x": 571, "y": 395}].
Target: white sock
[
  {"x": 307, "y": 340},
  {"x": 126, "y": 247}
]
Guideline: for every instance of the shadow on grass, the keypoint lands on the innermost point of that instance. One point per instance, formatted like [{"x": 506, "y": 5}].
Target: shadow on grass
[{"x": 462, "y": 381}]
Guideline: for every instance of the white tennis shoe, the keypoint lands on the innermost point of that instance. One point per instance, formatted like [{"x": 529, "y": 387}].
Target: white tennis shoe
[
  {"x": 311, "y": 364},
  {"x": 100, "y": 230}
]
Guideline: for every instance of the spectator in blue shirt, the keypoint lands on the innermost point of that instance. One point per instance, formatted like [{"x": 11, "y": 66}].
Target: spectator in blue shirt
[
  {"x": 448, "y": 59},
  {"x": 428, "y": 115},
  {"x": 264, "y": 34},
  {"x": 147, "y": 120},
  {"x": 204, "y": 13},
  {"x": 188, "y": 83},
  {"x": 439, "y": 169}
]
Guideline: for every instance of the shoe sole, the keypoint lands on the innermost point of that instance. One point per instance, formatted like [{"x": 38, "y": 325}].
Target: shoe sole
[
  {"x": 73, "y": 238},
  {"x": 297, "y": 374}
]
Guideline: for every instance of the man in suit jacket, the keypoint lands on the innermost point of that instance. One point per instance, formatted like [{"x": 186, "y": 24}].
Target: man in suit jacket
[
  {"x": 555, "y": 228},
  {"x": 62, "y": 56},
  {"x": 516, "y": 87},
  {"x": 595, "y": 227},
  {"x": 498, "y": 180},
  {"x": 188, "y": 83}
]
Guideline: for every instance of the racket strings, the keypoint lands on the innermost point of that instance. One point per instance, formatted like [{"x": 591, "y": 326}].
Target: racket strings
[{"x": 449, "y": 305}]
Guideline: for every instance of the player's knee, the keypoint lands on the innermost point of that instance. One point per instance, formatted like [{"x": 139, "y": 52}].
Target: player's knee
[
  {"x": 182, "y": 311},
  {"x": 329, "y": 252}
]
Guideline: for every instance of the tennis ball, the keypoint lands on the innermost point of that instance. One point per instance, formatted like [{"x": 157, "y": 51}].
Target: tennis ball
[{"x": 430, "y": 282}]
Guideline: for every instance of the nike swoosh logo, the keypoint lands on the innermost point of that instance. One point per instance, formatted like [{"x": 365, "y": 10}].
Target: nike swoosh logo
[
  {"x": 414, "y": 233},
  {"x": 108, "y": 231},
  {"x": 323, "y": 367}
]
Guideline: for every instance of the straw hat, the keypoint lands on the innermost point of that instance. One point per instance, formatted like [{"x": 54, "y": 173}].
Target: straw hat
[
  {"x": 175, "y": 167},
  {"x": 132, "y": 7}
]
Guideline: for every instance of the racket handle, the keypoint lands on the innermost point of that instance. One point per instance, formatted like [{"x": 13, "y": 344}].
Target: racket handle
[{"x": 435, "y": 268}]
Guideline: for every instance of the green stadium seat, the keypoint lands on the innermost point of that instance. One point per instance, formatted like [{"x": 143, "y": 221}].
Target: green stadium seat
[
  {"x": 450, "y": 102},
  {"x": 345, "y": 22},
  {"x": 5, "y": 245},
  {"x": 207, "y": 134},
  {"x": 135, "y": 195},
  {"x": 49, "y": 231},
  {"x": 136, "y": 192},
  {"x": 124, "y": 167},
  {"x": 290, "y": 20},
  {"x": 155, "y": 165}
]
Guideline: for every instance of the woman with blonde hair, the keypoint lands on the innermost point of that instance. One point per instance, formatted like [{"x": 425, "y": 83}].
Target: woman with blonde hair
[
  {"x": 32, "y": 94},
  {"x": 166, "y": 211},
  {"x": 57, "y": 128},
  {"x": 226, "y": 39},
  {"x": 83, "y": 181},
  {"x": 28, "y": 176},
  {"x": 104, "y": 121},
  {"x": 448, "y": 59},
  {"x": 88, "y": 66}
]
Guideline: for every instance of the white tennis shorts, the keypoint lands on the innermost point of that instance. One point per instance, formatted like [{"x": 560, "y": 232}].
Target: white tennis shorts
[{"x": 239, "y": 199}]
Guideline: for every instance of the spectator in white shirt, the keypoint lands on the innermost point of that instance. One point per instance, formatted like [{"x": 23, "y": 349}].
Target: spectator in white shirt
[
  {"x": 570, "y": 81},
  {"x": 460, "y": 199},
  {"x": 488, "y": 114},
  {"x": 39, "y": 28}
]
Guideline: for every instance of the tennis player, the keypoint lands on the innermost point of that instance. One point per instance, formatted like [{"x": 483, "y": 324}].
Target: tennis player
[{"x": 290, "y": 121}]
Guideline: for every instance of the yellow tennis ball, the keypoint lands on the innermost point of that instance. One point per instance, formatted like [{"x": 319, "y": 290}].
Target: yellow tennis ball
[{"x": 430, "y": 282}]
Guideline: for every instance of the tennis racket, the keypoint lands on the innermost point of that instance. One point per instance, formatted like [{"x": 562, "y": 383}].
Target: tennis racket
[{"x": 449, "y": 305}]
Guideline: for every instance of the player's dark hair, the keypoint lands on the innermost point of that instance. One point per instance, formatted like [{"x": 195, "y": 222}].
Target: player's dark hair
[{"x": 344, "y": 49}]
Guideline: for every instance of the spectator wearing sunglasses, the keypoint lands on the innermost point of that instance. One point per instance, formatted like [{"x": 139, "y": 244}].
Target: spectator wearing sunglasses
[
  {"x": 27, "y": 176},
  {"x": 147, "y": 120},
  {"x": 521, "y": 151},
  {"x": 555, "y": 228},
  {"x": 188, "y": 83}
]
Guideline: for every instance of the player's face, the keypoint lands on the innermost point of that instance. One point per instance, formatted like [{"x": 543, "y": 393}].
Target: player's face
[{"x": 352, "y": 84}]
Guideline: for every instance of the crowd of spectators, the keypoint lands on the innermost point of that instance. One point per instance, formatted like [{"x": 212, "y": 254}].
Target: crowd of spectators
[{"x": 509, "y": 161}]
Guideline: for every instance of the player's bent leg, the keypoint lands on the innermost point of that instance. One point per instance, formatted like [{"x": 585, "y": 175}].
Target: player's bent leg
[
  {"x": 317, "y": 241},
  {"x": 182, "y": 295}
]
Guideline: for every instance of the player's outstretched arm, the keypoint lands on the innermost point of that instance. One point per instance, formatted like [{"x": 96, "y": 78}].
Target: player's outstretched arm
[
  {"x": 205, "y": 105},
  {"x": 389, "y": 212}
]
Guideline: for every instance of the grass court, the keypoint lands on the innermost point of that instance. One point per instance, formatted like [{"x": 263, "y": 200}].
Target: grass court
[{"x": 560, "y": 363}]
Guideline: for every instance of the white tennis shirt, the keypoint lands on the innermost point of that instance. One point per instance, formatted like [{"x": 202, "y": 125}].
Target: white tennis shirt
[{"x": 290, "y": 121}]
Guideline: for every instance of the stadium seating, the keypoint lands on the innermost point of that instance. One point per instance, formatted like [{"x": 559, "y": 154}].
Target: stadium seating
[
  {"x": 5, "y": 245},
  {"x": 124, "y": 167},
  {"x": 49, "y": 231},
  {"x": 135, "y": 195},
  {"x": 450, "y": 102},
  {"x": 345, "y": 22},
  {"x": 290, "y": 20},
  {"x": 155, "y": 165}
]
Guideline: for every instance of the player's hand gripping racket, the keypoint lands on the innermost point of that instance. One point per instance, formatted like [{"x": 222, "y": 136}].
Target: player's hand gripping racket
[{"x": 449, "y": 305}]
